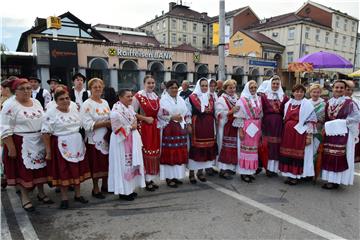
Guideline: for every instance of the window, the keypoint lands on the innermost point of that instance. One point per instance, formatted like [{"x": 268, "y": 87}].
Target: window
[
  {"x": 352, "y": 42},
  {"x": 265, "y": 55},
  {"x": 194, "y": 41},
  {"x": 327, "y": 37},
  {"x": 353, "y": 26},
  {"x": 344, "y": 41},
  {"x": 291, "y": 33},
  {"x": 184, "y": 26},
  {"x": 238, "y": 43},
  {"x": 151, "y": 27},
  {"x": 204, "y": 41},
  {"x": 164, "y": 38},
  {"x": 290, "y": 57},
  {"x": 317, "y": 37},
  {"x": 336, "y": 38},
  {"x": 173, "y": 24},
  {"x": 184, "y": 38},
  {"x": 337, "y": 21},
  {"x": 345, "y": 25},
  {"x": 164, "y": 24},
  {"x": 157, "y": 26},
  {"x": 204, "y": 28},
  {"x": 173, "y": 37},
  {"x": 307, "y": 33},
  {"x": 194, "y": 27}
]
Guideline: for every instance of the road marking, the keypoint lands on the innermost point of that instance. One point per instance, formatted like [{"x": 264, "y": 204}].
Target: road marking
[
  {"x": 276, "y": 213},
  {"x": 22, "y": 218},
  {"x": 5, "y": 232}
]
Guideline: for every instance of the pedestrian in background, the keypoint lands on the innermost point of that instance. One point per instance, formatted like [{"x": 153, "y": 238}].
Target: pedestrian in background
[
  {"x": 185, "y": 91},
  {"x": 39, "y": 93}
]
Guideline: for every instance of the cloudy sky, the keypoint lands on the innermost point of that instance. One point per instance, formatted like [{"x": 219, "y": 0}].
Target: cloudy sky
[{"x": 18, "y": 16}]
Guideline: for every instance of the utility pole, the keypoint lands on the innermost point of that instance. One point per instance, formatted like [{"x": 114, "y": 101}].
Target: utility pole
[{"x": 221, "y": 47}]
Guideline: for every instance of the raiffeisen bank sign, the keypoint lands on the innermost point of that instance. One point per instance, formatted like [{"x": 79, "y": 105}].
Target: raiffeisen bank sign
[{"x": 137, "y": 53}]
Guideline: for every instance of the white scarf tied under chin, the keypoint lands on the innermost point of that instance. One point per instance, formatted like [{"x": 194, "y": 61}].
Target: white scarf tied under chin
[
  {"x": 203, "y": 97},
  {"x": 306, "y": 109},
  {"x": 247, "y": 94},
  {"x": 278, "y": 94}
]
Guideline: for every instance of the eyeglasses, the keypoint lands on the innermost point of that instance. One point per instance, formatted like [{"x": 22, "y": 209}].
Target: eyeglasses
[{"x": 23, "y": 89}]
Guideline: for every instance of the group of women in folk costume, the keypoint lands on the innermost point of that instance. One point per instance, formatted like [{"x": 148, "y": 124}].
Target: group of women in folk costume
[{"x": 145, "y": 137}]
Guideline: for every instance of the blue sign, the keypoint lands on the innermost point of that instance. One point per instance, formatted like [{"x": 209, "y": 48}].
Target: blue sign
[{"x": 262, "y": 63}]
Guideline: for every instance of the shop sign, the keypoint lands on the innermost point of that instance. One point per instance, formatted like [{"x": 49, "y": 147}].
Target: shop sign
[
  {"x": 53, "y": 22},
  {"x": 137, "y": 53},
  {"x": 262, "y": 63},
  {"x": 63, "y": 54}
]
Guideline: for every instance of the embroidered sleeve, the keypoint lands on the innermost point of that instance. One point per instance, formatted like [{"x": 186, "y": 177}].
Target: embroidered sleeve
[
  {"x": 86, "y": 119},
  {"x": 47, "y": 125},
  {"x": 7, "y": 120},
  {"x": 47, "y": 97},
  {"x": 311, "y": 123},
  {"x": 353, "y": 119},
  {"x": 221, "y": 110},
  {"x": 118, "y": 124},
  {"x": 136, "y": 105},
  {"x": 163, "y": 118}
]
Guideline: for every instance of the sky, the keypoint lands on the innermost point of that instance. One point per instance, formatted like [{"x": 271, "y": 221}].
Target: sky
[{"x": 16, "y": 16}]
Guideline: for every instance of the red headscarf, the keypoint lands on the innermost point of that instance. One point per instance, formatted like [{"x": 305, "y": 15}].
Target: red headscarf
[{"x": 17, "y": 82}]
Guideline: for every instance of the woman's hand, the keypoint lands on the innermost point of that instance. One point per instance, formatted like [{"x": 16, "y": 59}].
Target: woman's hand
[
  {"x": 234, "y": 109},
  {"x": 177, "y": 118},
  {"x": 241, "y": 134},
  {"x": 48, "y": 156},
  {"x": 189, "y": 129},
  {"x": 12, "y": 152},
  {"x": 134, "y": 125},
  {"x": 149, "y": 120},
  {"x": 308, "y": 139}
]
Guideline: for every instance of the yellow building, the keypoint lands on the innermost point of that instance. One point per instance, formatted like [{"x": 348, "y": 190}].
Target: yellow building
[{"x": 254, "y": 44}]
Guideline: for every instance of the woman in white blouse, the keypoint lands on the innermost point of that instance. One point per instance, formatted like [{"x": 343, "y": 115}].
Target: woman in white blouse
[
  {"x": 65, "y": 148},
  {"x": 24, "y": 155},
  {"x": 95, "y": 113}
]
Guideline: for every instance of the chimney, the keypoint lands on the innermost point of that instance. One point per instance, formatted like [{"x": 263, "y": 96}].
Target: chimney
[
  {"x": 171, "y": 5},
  {"x": 203, "y": 14}
]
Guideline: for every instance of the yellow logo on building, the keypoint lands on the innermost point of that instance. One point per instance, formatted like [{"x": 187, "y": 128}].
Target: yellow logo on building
[
  {"x": 112, "y": 51},
  {"x": 215, "y": 34},
  {"x": 53, "y": 22}
]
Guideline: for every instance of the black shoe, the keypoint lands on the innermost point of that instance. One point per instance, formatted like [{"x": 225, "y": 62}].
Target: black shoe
[
  {"x": 252, "y": 177},
  {"x": 81, "y": 199},
  {"x": 134, "y": 194},
  {"x": 64, "y": 204},
  {"x": 104, "y": 189},
  {"x": 171, "y": 183},
  {"x": 177, "y": 181},
  {"x": 225, "y": 175},
  {"x": 154, "y": 185},
  {"x": 231, "y": 172},
  {"x": 258, "y": 170},
  {"x": 201, "y": 177},
  {"x": 71, "y": 188},
  {"x": 149, "y": 187},
  {"x": 45, "y": 199},
  {"x": 330, "y": 186},
  {"x": 192, "y": 179},
  {"x": 126, "y": 197},
  {"x": 291, "y": 181},
  {"x": 98, "y": 195},
  {"x": 57, "y": 190},
  {"x": 246, "y": 178},
  {"x": 28, "y": 209}
]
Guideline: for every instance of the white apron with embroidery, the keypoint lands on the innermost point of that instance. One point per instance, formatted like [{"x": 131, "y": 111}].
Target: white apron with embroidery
[
  {"x": 33, "y": 151},
  {"x": 100, "y": 143},
  {"x": 72, "y": 147}
]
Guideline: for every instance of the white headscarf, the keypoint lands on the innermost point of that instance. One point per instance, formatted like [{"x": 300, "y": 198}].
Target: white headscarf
[
  {"x": 278, "y": 94},
  {"x": 174, "y": 106},
  {"x": 263, "y": 86},
  {"x": 246, "y": 94},
  {"x": 203, "y": 97}
]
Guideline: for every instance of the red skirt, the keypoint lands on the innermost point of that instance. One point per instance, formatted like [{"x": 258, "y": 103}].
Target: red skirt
[
  {"x": 65, "y": 173},
  {"x": 228, "y": 153},
  {"x": 150, "y": 136},
  {"x": 174, "y": 145},
  {"x": 98, "y": 162},
  {"x": 203, "y": 146},
  {"x": 17, "y": 173}
]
